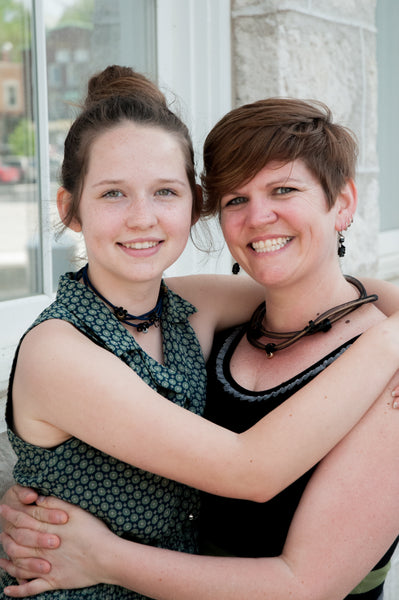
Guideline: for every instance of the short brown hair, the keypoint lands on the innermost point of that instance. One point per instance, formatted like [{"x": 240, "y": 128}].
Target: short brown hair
[{"x": 276, "y": 129}]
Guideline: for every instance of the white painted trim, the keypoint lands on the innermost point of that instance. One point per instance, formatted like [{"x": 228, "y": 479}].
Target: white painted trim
[
  {"x": 194, "y": 71},
  {"x": 41, "y": 108}
]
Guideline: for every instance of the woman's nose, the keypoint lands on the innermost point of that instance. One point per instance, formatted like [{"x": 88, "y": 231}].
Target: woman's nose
[{"x": 261, "y": 212}]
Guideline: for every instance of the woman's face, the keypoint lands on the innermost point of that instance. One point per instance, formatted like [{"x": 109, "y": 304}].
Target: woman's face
[
  {"x": 278, "y": 226},
  {"x": 135, "y": 208}
]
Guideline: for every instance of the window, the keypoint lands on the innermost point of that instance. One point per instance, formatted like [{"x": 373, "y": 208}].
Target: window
[
  {"x": 49, "y": 54},
  {"x": 11, "y": 95}
]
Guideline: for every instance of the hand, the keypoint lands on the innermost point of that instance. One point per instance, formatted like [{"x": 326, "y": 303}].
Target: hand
[
  {"x": 29, "y": 532},
  {"x": 71, "y": 565}
]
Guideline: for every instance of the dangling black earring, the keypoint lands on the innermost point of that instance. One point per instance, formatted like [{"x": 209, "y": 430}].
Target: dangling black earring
[
  {"x": 236, "y": 269},
  {"x": 341, "y": 247}
]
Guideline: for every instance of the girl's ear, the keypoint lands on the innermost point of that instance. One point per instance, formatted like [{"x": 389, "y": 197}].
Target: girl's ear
[
  {"x": 64, "y": 200},
  {"x": 197, "y": 205},
  {"x": 346, "y": 204}
]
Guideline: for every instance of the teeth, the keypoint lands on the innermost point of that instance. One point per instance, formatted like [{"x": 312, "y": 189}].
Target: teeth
[
  {"x": 270, "y": 245},
  {"x": 141, "y": 245}
]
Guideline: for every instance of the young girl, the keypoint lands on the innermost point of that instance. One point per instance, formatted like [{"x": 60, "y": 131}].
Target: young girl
[{"x": 90, "y": 392}]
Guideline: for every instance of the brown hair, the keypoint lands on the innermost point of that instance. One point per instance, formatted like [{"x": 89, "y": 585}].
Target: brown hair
[
  {"x": 276, "y": 129},
  {"x": 115, "y": 95}
]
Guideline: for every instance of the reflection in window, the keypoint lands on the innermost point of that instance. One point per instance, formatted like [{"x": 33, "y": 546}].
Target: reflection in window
[
  {"x": 19, "y": 209},
  {"x": 82, "y": 37}
]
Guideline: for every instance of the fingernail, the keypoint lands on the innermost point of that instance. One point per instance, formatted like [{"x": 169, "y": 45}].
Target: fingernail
[
  {"x": 51, "y": 542},
  {"x": 396, "y": 404},
  {"x": 40, "y": 499}
]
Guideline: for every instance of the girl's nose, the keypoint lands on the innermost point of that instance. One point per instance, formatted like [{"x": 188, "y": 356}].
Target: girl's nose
[{"x": 141, "y": 214}]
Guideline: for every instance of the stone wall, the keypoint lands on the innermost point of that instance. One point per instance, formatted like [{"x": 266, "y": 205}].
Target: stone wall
[{"x": 324, "y": 50}]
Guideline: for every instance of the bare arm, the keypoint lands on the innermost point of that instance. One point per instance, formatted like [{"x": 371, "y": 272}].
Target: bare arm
[
  {"x": 388, "y": 294},
  {"x": 345, "y": 522},
  {"x": 158, "y": 436}
]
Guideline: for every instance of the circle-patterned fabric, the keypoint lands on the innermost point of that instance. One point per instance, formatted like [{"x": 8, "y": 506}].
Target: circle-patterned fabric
[{"x": 135, "y": 504}]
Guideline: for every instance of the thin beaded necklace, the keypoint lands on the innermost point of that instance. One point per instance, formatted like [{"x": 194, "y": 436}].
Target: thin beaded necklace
[
  {"x": 152, "y": 317},
  {"x": 323, "y": 322}
]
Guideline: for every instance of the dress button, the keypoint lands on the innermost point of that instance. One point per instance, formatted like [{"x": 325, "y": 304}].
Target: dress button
[{"x": 191, "y": 517}]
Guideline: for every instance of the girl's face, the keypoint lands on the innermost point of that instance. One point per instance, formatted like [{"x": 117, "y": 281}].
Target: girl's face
[
  {"x": 135, "y": 208},
  {"x": 278, "y": 226}
]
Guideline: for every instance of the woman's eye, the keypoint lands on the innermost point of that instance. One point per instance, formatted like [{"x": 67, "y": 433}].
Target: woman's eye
[
  {"x": 236, "y": 201},
  {"x": 112, "y": 194},
  {"x": 280, "y": 191},
  {"x": 165, "y": 192}
]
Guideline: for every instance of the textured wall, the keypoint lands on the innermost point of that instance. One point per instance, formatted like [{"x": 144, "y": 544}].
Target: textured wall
[{"x": 324, "y": 50}]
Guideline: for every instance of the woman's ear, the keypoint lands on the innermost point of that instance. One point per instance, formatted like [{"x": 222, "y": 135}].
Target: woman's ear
[
  {"x": 64, "y": 201},
  {"x": 346, "y": 205},
  {"x": 197, "y": 204}
]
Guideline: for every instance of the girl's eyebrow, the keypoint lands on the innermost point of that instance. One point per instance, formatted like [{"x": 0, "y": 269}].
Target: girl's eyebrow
[
  {"x": 108, "y": 182},
  {"x": 161, "y": 181}
]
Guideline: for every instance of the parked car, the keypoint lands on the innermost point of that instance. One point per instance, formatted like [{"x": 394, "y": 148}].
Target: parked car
[
  {"x": 24, "y": 164},
  {"x": 9, "y": 174}
]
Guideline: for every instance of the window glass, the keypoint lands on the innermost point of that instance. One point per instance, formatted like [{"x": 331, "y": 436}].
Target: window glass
[
  {"x": 81, "y": 37},
  {"x": 19, "y": 207}
]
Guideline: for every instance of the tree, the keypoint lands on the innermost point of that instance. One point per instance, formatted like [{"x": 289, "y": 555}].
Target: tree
[
  {"x": 79, "y": 12},
  {"x": 15, "y": 28},
  {"x": 22, "y": 139}
]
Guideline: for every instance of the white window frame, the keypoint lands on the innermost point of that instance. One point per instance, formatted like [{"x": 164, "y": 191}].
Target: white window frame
[
  {"x": 196, "y": 66},
  {"x": 194, "y": 63}
]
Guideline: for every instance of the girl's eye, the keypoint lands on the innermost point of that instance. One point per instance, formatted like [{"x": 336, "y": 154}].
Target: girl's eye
[
  {"x": 165, "y": 192},
  {"x": 236, "y": 201},
  {"x": 280, "y": 191},
  {"x": 112, "y": 194}
]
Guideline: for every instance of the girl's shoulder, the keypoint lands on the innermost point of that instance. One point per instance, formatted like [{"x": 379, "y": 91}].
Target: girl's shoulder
[{"x": 224, "y": 299}]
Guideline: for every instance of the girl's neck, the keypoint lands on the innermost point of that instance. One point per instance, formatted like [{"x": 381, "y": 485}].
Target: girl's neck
[{"x": 136, "y": 297}]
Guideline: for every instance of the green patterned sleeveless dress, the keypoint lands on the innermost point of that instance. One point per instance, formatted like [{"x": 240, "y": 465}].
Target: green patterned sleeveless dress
[{"x": 135, "y": 504}]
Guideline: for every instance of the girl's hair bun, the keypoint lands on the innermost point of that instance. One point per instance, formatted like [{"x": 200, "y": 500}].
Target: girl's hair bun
[{"x": 122, "y": 81}]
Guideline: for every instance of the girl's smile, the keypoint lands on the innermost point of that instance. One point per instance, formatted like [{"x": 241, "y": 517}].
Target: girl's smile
[{"x": 135, "y": 207}]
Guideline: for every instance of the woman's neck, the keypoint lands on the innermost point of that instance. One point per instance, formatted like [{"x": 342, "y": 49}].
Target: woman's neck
[{"x": 290, "y": 308}]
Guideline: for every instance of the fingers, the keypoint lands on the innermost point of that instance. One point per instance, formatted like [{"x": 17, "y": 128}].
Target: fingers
[
  {"x": 32, "y": 517},
  {"x": 24, "y": 494},
  {"x": 26, "y": 531},
  {"x": 16, "y": 551},
  {"x": 36, "y": 586},
  {"x": 33, "y": 539},
  {"x": 25, "y": 568}
]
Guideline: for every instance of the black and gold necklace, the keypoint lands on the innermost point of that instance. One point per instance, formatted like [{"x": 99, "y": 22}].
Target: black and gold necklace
[{"x": 321, "y": 323}]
